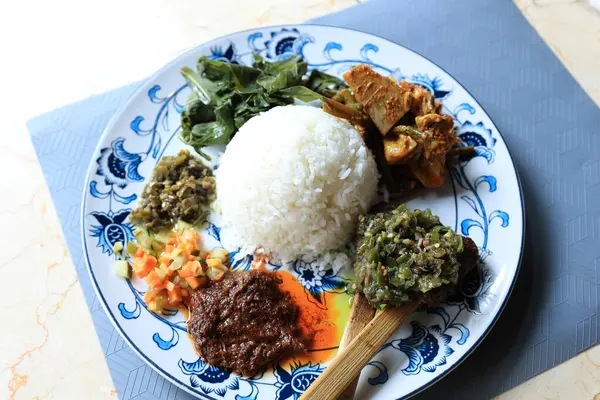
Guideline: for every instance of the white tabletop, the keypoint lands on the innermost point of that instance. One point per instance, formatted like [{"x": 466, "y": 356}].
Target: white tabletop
[{"x": 60, "y": 51}]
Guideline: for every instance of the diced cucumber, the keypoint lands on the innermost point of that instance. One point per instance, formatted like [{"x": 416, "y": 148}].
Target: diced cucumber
[
  {"x": 214, "y": 262},
  {"x": 220, "y": 254},
  {"x": 144, "y": 239},
  {"x": 178, "y": 262},
  {"x": 182, "y": 225},
  {"x": 175, "y": 253},
  {"x": 157, "y": 305},
  {"x": 121, "y": 268},
  {"x": 118, "y": 247},
  {"x": 162, "y": 274},
  {"x": 163, "y": 236},
  {"x": 197, "y": 269},
  {"x": 132, "y": 248},
  {"x": 157, "y": 247},
  {"x": 215, "y": 274}
]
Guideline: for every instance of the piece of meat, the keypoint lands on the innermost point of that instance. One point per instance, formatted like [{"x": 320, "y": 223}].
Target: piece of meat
[
  {"x": 402, "y": 144},
  {"x": 439, "y": 133},
  {"x": 381, "y": 98},
  {"x": 398, "y": 150},
  {"x": 386, "y": 101},
  {"x": 430, "y": 167},
  {"x": 422, "y": 101},
  {"x": 244, "y": 322}
]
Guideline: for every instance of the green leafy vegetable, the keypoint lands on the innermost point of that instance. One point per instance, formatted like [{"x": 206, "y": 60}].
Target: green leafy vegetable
[
  {"x": 282, "y": 74},
  {"x": 225, "y": 96},
  {"x": 204, "y": 89},
  {"x": 330, "y": 106},
  {"x": 303, "y": 93},
  {"x": 324, "y": 84}
]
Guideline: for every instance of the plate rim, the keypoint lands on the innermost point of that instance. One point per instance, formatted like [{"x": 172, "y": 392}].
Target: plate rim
[{"x": 119, "y": 111}]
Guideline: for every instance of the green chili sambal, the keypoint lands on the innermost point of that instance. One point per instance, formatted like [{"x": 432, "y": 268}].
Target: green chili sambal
[
  {"x": 404, "y": 254},
  {"x": 181, "y": 188}
]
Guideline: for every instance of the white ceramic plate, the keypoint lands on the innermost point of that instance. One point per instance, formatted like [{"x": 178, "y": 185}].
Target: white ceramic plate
[{"x": 482, "y": 200}]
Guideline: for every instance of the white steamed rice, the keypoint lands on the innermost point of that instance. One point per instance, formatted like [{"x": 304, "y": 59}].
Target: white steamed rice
[{"x": 293, "y": 181}]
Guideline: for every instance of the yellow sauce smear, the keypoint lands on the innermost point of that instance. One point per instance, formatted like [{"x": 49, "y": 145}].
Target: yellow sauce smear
[{"x": 323, "y": 322}]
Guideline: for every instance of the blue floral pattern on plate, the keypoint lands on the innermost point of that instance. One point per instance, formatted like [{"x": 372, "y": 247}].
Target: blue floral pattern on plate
[{"x": 481, "y": 199}]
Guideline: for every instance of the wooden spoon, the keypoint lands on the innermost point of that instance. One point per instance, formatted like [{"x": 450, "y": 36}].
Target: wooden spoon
[
  {"x": 349, "y": 362},
  {"x": 360, "y": 315}
]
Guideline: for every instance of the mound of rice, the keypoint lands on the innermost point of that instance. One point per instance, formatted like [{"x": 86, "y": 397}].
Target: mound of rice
[{"x": 294, "y": 181}]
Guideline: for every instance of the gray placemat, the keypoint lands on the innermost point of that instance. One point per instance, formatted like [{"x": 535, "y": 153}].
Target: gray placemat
[{"x": 551, "y": 127}]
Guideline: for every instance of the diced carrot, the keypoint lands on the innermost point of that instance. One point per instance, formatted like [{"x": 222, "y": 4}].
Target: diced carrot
[
  {"x": 150, "y": 260},
  {"x": 175, "y": 296},
  {"x": 196, "y": 281},
  {"x": 189, "y": 247},
  {"x": 165, "y": 259},
  {"x": 193, "y": 282},
  {"x": 140, "y": 252},
  {"x": 170, "y": 286},
  {"x": 191, "y": 257},
  {"x": 154, "y": 280},
  {"x": 195, "y": 267},
  {"x": 158, "y": 286},
  {"x": 169, "y": 248},
  {"x": 149, "y": 296},
  {"x": 191, "y": 265},
  {"x": 143, "y": 271},
  {"x": 164, "y": 271},
  {"x": 142, "y": 266},
  {"x": 185, "y": 273}
]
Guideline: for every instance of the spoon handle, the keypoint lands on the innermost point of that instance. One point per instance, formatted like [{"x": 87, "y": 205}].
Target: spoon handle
[
  {"x": 360, "y": 315},
  {"x": 348, "y": 363}
]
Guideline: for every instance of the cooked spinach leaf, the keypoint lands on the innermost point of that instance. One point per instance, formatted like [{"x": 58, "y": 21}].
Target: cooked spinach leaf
[
  {"x": 324, "y": 84},
  {"x": 225, "y": 96}
]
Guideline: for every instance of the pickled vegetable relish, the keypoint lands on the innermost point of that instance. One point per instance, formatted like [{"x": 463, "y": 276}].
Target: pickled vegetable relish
[
  {"x": 181, "y": 188},
  {"x": 173, "y": 264},
  {"x": 403, "y": 253}
]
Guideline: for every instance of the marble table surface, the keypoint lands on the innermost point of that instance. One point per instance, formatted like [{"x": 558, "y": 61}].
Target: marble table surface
[{"x": 65, "y": 50}]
